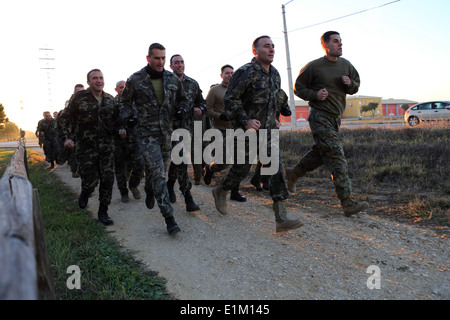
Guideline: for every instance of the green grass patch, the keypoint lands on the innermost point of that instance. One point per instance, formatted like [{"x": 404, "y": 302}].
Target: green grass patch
[
  {"x": 108, "y": 272},
  {"x": 5, "y": 158}
]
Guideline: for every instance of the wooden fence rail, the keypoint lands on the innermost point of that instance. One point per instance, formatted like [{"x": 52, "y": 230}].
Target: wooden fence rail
[{"x": 24, "y": 267}]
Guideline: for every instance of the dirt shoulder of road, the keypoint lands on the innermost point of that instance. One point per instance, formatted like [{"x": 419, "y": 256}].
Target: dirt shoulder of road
[{"x": 239, "y": 256}]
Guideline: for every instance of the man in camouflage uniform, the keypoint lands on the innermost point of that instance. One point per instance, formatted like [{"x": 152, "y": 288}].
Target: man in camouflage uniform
[
  {"x": 251, "y": 102},
  {"x": 66, "y": 154},
  {"x": 159, "y": 99},
  {"x": 216, "y": 111},
  {"x": 128, "y": 162},
  {"x": 196, "y": 107},
  {"x": 282, "y": 108},
  {"x": 324, "y": 83},
  {"x": 38, "y": 135},
  {"x": 93, "y": 117},
  {"x": 47, "y": 130}
]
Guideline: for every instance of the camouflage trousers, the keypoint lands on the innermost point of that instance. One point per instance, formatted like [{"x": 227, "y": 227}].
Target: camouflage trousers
[
  {"x": 237, "y": 173},
  {"x": 51, "y": 148},
  {"x": 69, "y": 155},
  {"x": 155, "y": 151},
  {"x": 198, "y": 168},
  {"x": 97, "y": 166},
  {"x": 128, "y": 166},
  {"x": 179, "y": 172},
  {"x": 327, "y": 151},
  {"x": 218, "y": 167}
]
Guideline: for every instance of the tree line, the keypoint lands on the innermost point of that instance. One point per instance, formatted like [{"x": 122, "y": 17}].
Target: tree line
[{"x": 8, "y": 130}]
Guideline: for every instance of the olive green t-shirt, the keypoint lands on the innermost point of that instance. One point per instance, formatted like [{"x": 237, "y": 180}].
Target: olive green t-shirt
[
  {"x": 324, "y": 73},
  {"x": 159, "y": 89}
]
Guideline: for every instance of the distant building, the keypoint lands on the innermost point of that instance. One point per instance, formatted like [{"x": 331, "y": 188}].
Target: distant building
[
  {"x": 386, "y": 108},
  {"x": 393, "y": 107},
  {"x": 354, "y": 104}
]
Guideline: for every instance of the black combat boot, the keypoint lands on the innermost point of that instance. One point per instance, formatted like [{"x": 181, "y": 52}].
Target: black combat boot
[
  {"x": 255, "y": 182},
  {"x": 190, "y": 204},
  {"x": 207, "y": 175},
  {"x": 124, "y": 197},
  {"x": 150, "y": 197},
  {"x": 52, "y": 164},
  {"x": 172, "y": 195},
  {"x": 172, "y": 226},
  {"x": 103, "y": 215},
  {"x": 236, "y": 196},
  {"x": 83, "y": 200},
  {"x": 265, "y": 183}
]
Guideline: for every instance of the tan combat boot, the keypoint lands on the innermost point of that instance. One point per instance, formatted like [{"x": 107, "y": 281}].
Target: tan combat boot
[
  {"x": 283, "y": 223},
  {"x": 292, "y": 178},
  {"x": 220, "y": 198},
  {"x": 351, "y": 207}
]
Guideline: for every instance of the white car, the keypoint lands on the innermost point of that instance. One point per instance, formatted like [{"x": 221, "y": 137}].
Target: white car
[{"x": 428, "y": 111}]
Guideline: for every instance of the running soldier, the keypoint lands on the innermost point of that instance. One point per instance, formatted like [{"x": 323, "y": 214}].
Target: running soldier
[
  {"x": 251, "y": 102},
  {"x": 47, "y": 130},
  {"x": 92, "y": 116},
  {"x": 196, "y": 106},
  {"x": 128, "y": 162},
  {"x": 324, "y": 83},
  {"x": 159, "y": 99}
]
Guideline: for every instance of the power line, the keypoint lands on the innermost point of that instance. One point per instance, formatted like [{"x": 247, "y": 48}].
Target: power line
[{"x": 346, "y": 16}]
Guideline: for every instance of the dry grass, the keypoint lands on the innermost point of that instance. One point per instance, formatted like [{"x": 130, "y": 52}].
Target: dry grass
[{"x": 403, "y": 172}]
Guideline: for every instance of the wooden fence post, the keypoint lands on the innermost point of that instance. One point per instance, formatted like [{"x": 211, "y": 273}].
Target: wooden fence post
[{"x": 24, "y": 267}]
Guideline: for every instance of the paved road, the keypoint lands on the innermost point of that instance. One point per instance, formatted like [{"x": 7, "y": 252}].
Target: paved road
[
  {"x": 13, "y": 144},
  {"x": 353, "y": 124}
]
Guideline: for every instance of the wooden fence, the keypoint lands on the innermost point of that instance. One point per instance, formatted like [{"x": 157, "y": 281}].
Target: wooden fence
[{"x": 24, "y": 266}]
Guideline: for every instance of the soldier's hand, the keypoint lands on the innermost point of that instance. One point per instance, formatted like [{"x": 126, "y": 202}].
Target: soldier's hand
[
  {"x": 253, "y": 124},
  {"x": 198, "y": 111},
  {"x": 345, "y": 80},
  {"x": 123, "y": 133},
  {"x": 69, "y": 144},
  {"x": 285, "y": 111},
  {"x": 322, "y": 94}
]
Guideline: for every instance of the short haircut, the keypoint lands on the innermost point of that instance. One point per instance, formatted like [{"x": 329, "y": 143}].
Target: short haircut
[
  {"x": 118, "y": 82},
  {"x": 79, "y": 85},
  {"x": 89, "y": 73},
  {"x": 175, "y": 55},
  {"x": 155, "y": 46},
  {"x": 325, "y": 38},
  {"x": 225, "y": 66},
  {"x": 255, "y": 42}
]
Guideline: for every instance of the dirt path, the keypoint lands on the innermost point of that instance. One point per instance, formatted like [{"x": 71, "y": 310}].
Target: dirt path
[{"x": 239, "y": 256}]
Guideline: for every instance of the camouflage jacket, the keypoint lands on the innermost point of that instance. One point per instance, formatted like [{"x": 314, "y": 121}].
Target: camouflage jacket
[
  {"x": 60, "y": 122},
  {"x": 195, "y": 100},
  {"x": 282, "y": 102},
  {"x": 94, "y": 126},
  {"x": 48, "y": 128},
  {"x": 153, "y": 118},
  {"x": 37, "y": 129},
  {"x": 253, "y": 93}
]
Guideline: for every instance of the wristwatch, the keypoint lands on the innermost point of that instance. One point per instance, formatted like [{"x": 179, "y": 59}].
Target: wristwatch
[{"x": 244, "y": 121}]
